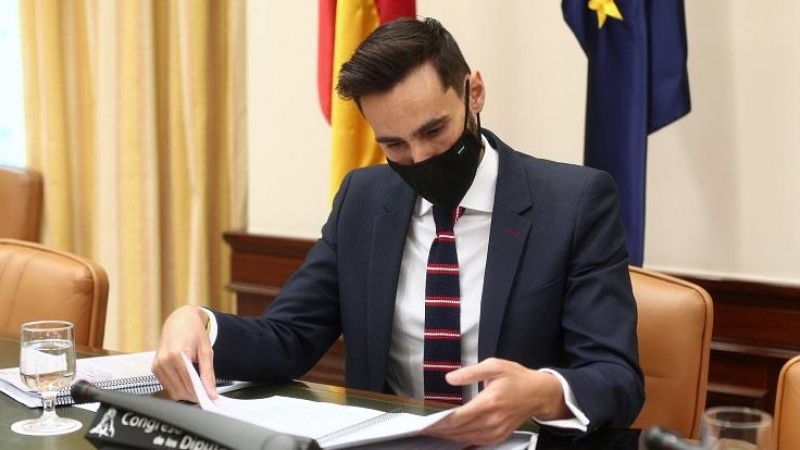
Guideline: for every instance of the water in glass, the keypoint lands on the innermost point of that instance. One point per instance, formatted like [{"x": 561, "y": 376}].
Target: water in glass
[{"x": 47, "y": 365}]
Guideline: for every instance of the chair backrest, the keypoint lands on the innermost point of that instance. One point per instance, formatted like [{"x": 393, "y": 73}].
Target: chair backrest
[
  {"x": 675, "y": 322},
  {"x": 39, "y": 283},
  {"x": 20, "y": 203},
  {"x": 787, "y": 407}
]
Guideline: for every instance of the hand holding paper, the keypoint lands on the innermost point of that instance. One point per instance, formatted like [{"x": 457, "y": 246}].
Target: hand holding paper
[
  {"x": 184, "y": 333},
  {"x": 510, "y": 398},
  {"x": 333, "y": 426}
]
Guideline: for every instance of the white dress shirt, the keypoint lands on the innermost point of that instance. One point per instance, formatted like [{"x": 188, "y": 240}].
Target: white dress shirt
[{"x": 405, "y": 374}]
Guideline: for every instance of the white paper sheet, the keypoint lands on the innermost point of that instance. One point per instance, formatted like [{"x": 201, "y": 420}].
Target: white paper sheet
[{"x": 316, "y": 419}]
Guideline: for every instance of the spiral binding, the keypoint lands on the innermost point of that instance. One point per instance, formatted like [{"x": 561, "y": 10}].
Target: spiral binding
[
  {"x": 356, "y": 427},
  {"x": 141, "y": 385}
]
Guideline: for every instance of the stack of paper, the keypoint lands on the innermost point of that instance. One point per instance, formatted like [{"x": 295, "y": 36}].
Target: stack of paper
[
  {"x": 127, "y": 373},
  {"x": 337, "y": 426}
]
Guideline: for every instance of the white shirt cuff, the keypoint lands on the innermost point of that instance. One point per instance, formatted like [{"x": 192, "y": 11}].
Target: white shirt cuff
[
  {"x": 212, "y": 325},
  {"x": 579, "y": 422}
]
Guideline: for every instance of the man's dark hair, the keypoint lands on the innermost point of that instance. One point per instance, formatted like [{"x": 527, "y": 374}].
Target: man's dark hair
[{"x": 396, "y": 48}]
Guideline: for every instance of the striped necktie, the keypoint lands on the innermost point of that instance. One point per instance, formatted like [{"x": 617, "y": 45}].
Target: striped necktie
[{"x": 442, "y": 311}]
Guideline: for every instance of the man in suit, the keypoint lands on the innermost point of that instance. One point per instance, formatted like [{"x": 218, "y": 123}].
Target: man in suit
[{"x": 546, "y": 314}]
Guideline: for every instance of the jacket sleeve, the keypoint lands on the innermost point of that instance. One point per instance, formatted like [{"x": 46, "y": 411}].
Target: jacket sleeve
[
  {"x": 600, "y": 317},
  {"x": 299, "y": 325}
]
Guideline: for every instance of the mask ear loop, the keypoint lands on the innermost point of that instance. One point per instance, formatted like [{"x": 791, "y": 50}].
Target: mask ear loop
[
  {"x": 466, "y": 103},
  {"x": 466, "y": 109}
]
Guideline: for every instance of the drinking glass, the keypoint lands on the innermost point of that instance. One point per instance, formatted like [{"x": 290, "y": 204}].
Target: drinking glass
[
  {"x": 47, "y": 365},
  {"x": 736, "y": 428}
]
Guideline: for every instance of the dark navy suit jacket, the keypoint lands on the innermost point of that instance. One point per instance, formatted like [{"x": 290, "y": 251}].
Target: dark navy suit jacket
[{"x": 556, "y": 292}]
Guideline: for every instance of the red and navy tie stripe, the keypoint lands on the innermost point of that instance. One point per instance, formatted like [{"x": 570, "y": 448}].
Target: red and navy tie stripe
[{"x": 442, "y": 311}]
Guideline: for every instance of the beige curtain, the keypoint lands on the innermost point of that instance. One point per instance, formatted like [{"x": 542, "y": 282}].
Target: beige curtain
[{"x": 135, "y": 116}]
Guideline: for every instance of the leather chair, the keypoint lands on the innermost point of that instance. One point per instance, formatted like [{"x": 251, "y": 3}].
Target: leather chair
[
  {"x": 787, "y": 407},
  {"x": 20, "y": 203},
  {"x": 39, "y": 283},
  {"x": 675, "y": 322}
]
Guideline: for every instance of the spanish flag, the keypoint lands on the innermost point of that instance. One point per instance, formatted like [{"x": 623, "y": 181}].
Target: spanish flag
[{"x": 343, "y": 24}]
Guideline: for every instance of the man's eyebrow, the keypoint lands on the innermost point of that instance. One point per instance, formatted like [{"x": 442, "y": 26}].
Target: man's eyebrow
[
  {"x": 386, "y": 139},
  {"x": 432, "y": 123}
]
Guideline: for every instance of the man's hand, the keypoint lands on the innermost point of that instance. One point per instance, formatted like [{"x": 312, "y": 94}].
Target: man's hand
[
  {"x": 184, "y": 332},
  {"x": 512, "y": 395}
]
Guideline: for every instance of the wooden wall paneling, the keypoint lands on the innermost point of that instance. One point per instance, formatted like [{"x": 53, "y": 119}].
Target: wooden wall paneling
[
  {"x": 756, "y": 330},
  {"x": 260, "y": 265}
]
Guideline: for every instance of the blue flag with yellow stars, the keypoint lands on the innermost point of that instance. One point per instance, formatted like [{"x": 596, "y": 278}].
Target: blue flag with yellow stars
[{"x": 637, "y": 83}]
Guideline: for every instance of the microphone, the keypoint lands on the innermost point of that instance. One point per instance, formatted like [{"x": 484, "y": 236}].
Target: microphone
[
  {"x": 657, "y": 438},
  {"x": 165, "y": 415}
]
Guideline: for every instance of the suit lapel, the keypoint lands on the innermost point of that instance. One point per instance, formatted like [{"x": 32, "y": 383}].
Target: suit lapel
[
  {"x": 386, "y": 252},
  {"x": 507, "y": 237}
]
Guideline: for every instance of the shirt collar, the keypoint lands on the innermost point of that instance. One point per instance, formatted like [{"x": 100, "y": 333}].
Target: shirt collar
[{"x": 480, "y": 196}]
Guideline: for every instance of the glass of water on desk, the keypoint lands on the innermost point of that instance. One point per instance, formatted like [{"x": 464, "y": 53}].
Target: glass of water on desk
[
  {"x": 47, "y": 365},
  {"x": 736, "y": 428}
]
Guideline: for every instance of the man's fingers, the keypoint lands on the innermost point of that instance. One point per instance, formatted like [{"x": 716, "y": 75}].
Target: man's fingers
[
  {"x": 184, "y": 380},
  {"x": 461, "y": 417},
  {"x": 476, "y": 422},
  {"x": 467, "y": 426},
  {"x": 173, "y": 378},
  {"x": 184, "y": 332},
  {"x": 484, "y": 370},
  {"x": 481, "y": 436},
  {"x": 205, "y": 361}
]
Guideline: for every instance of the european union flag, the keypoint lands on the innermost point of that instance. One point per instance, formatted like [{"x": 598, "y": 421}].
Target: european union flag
[{"x": 637, "y": 83}]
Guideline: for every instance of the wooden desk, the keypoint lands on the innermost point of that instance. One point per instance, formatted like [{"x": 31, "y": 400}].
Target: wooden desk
[{"x": 11, "y": 411}]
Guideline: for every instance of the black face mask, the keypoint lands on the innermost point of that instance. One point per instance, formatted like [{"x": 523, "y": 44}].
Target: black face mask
[{"x": 444, "y": 179}]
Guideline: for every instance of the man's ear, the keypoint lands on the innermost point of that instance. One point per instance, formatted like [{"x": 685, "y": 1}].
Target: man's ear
[{"x": 477, "y": 92}]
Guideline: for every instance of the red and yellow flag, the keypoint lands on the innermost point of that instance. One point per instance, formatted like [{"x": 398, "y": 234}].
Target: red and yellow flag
[{"x": 343, "y": 24}]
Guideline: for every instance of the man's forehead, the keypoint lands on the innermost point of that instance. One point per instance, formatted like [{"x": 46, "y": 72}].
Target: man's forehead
[
  {"x": 410, "y": 115},
  {"x": 424, "y": 77}
]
